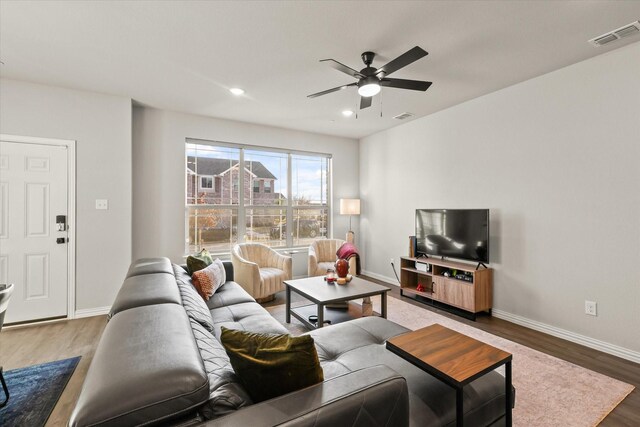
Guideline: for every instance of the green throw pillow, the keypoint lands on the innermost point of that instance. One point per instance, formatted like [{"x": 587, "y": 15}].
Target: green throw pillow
[
  {"x": 198, "y": 261},
  {"x": 270, "y": 365}
]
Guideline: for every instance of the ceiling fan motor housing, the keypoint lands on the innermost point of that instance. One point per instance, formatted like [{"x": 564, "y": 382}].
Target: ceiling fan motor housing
[{"x": 367, "y": 58}]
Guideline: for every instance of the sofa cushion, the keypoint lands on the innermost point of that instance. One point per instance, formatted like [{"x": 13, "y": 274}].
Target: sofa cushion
[
  {"x": 209, "y": 279},
  {"x": 146, "y": 289},
  {"x": 229, "y": 294},
  {"x": 248, "y": 316},
  {"x": 132, "y": 377},
  {"x": 226, "y": 394},
  {"x": 193, "y": 304},
  {"x": 149, "y": 266},
  {"x": 360, "y": 343},
  {"x": 198, "y": 261},
  {"x": 270, "y": 365}
]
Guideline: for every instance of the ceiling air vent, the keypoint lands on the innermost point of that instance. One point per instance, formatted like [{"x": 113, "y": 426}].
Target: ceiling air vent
[
  {"x": 617, "y": 34},
  {"x": 403, "y": 116}
]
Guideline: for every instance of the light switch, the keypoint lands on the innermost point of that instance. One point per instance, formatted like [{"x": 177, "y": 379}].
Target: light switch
[{"x": 102, "y": 204}]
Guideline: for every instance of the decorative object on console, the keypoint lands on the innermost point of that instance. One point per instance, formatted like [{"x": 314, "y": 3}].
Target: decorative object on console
[
  {"x": 198, "y": 261},
  {"x": 412, "y": 246},
  {"x": 423, "y": 266},
  {"x": 270, "y": 365},
  {"x": 209, "y": 279}
]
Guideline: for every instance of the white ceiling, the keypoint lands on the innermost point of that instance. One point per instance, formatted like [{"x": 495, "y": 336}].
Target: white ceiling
[{"x": 184, "y": 56}]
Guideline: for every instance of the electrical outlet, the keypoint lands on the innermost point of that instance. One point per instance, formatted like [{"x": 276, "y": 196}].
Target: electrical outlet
[
  {"x": 391, "y": 260},
  {"x": 102, "y": 204},
  {"x": 590, "y": 308}
]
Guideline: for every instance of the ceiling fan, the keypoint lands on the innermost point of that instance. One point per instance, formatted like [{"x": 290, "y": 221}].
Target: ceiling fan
[{"x": 371, "y": 79}]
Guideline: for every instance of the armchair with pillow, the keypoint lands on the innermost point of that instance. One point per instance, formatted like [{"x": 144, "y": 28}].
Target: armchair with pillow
[
  {"x": 322, "y": 255},
  {"x": 260, "y": 270}
]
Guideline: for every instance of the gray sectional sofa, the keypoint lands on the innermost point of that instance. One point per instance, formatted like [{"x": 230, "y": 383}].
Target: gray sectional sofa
[{"x": 160, "y": 362}]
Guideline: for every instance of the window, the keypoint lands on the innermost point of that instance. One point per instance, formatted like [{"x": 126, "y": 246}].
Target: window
[
  {"x": 206, "y": 182},
  {"x": 229, "y": 207}
]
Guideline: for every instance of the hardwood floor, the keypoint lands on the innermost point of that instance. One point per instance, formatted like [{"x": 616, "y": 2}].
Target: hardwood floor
[
  {"x": 29, "y": 345},
  {"x": 34, "y": 344}
]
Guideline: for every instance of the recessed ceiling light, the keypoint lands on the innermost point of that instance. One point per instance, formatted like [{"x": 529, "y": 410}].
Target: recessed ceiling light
[
  {"x": 236, "y": 91},
  {"x": 347, "y": 113}
]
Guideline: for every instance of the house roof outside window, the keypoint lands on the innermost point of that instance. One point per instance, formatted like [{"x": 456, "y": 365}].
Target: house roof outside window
[{"x": 213, "y": 167}]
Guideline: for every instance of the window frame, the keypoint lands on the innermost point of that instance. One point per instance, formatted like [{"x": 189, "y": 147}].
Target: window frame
[{"x": 242, "y": 207}]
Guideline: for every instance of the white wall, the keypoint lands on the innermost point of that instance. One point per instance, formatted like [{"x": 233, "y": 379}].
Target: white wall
[
  {"x": 557, "y": 160},
  {"x": 101, "y": 125},
  {"x": 159, "y": 172}
]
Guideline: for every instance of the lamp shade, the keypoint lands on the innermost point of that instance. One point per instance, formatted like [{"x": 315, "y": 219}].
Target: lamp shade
[{"x": 349, "y": 206}]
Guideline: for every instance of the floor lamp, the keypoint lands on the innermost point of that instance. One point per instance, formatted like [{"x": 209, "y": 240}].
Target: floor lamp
[{"x": 350, "y": 207}]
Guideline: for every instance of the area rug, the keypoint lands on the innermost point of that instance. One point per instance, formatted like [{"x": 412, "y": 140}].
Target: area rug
[
  {"x": 34, "y": 391},
  {"x": 550, "y": 392}
]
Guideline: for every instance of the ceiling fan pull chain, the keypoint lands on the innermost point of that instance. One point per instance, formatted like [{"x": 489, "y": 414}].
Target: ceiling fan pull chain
[{"x": 380, "y": 104}]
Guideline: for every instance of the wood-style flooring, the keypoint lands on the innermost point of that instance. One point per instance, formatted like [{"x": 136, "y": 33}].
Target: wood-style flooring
[{"x": 28, "y": 345}]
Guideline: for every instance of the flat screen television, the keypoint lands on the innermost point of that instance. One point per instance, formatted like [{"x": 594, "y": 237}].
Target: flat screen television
[{"x": 453, "y": 233}]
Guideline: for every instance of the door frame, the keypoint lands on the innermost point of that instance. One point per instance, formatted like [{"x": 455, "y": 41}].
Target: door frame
[{"x": 71, "y": 207}]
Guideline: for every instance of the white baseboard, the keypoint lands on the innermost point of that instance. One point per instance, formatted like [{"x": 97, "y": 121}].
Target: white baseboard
[
  {"x": 90, "y": 312},
  {"x": 389, "y": 280},
  {"x": 593, "y": 343}
]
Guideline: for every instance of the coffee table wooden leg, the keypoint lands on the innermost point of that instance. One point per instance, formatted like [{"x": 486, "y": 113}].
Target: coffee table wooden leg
[
  {"x": 320, "y": 323},
  {"x": 459, "y": 407},
  {"x": 288, "y": 305},
  {"x": 384, "y": 305},
  {"x": 507, "y": 394}
]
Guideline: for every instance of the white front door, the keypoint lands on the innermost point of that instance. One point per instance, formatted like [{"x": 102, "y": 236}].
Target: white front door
[{"x": 33, "y": 252}]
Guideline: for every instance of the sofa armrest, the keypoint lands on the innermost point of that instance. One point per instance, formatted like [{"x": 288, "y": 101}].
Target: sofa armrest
[{"x": 376, "y": 396}]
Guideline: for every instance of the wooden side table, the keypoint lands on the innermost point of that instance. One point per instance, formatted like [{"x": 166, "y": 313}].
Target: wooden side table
[{"x": 453, "y": 358}]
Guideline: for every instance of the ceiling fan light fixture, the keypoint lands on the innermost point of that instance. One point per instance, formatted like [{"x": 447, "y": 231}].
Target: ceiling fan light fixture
[{"x": 369, "y": 86}]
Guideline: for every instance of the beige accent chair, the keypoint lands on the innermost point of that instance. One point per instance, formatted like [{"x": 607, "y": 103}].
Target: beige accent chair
[
  {"x": 322, "y": 255},
  {"x": 260, "y": 270}
]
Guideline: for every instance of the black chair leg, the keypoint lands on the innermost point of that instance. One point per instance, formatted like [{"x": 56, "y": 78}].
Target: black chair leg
[{"x": 4, "y": 388}]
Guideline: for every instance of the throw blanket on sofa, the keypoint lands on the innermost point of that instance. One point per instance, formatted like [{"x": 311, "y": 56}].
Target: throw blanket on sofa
[{"x": 347, "y": 251}]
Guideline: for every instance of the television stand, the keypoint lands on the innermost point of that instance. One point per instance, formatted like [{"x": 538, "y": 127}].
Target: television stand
[{"x": 472, "y": 296}]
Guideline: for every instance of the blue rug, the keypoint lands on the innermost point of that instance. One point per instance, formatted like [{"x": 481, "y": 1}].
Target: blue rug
[{"x": 34, "y": 391}]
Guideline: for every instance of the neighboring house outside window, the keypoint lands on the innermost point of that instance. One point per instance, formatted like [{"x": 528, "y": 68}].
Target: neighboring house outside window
[{"x": 216, "y": 217}]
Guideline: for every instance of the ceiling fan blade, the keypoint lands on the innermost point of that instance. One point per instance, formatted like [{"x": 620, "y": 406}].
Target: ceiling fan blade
[
  {"x": 405, "y": 84},
  {"x": 341, "y": 67},
  {"x": 401, "y": 61},
  {"x": 335, "y": 89},
  {"x": 365, "y": 102}
]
